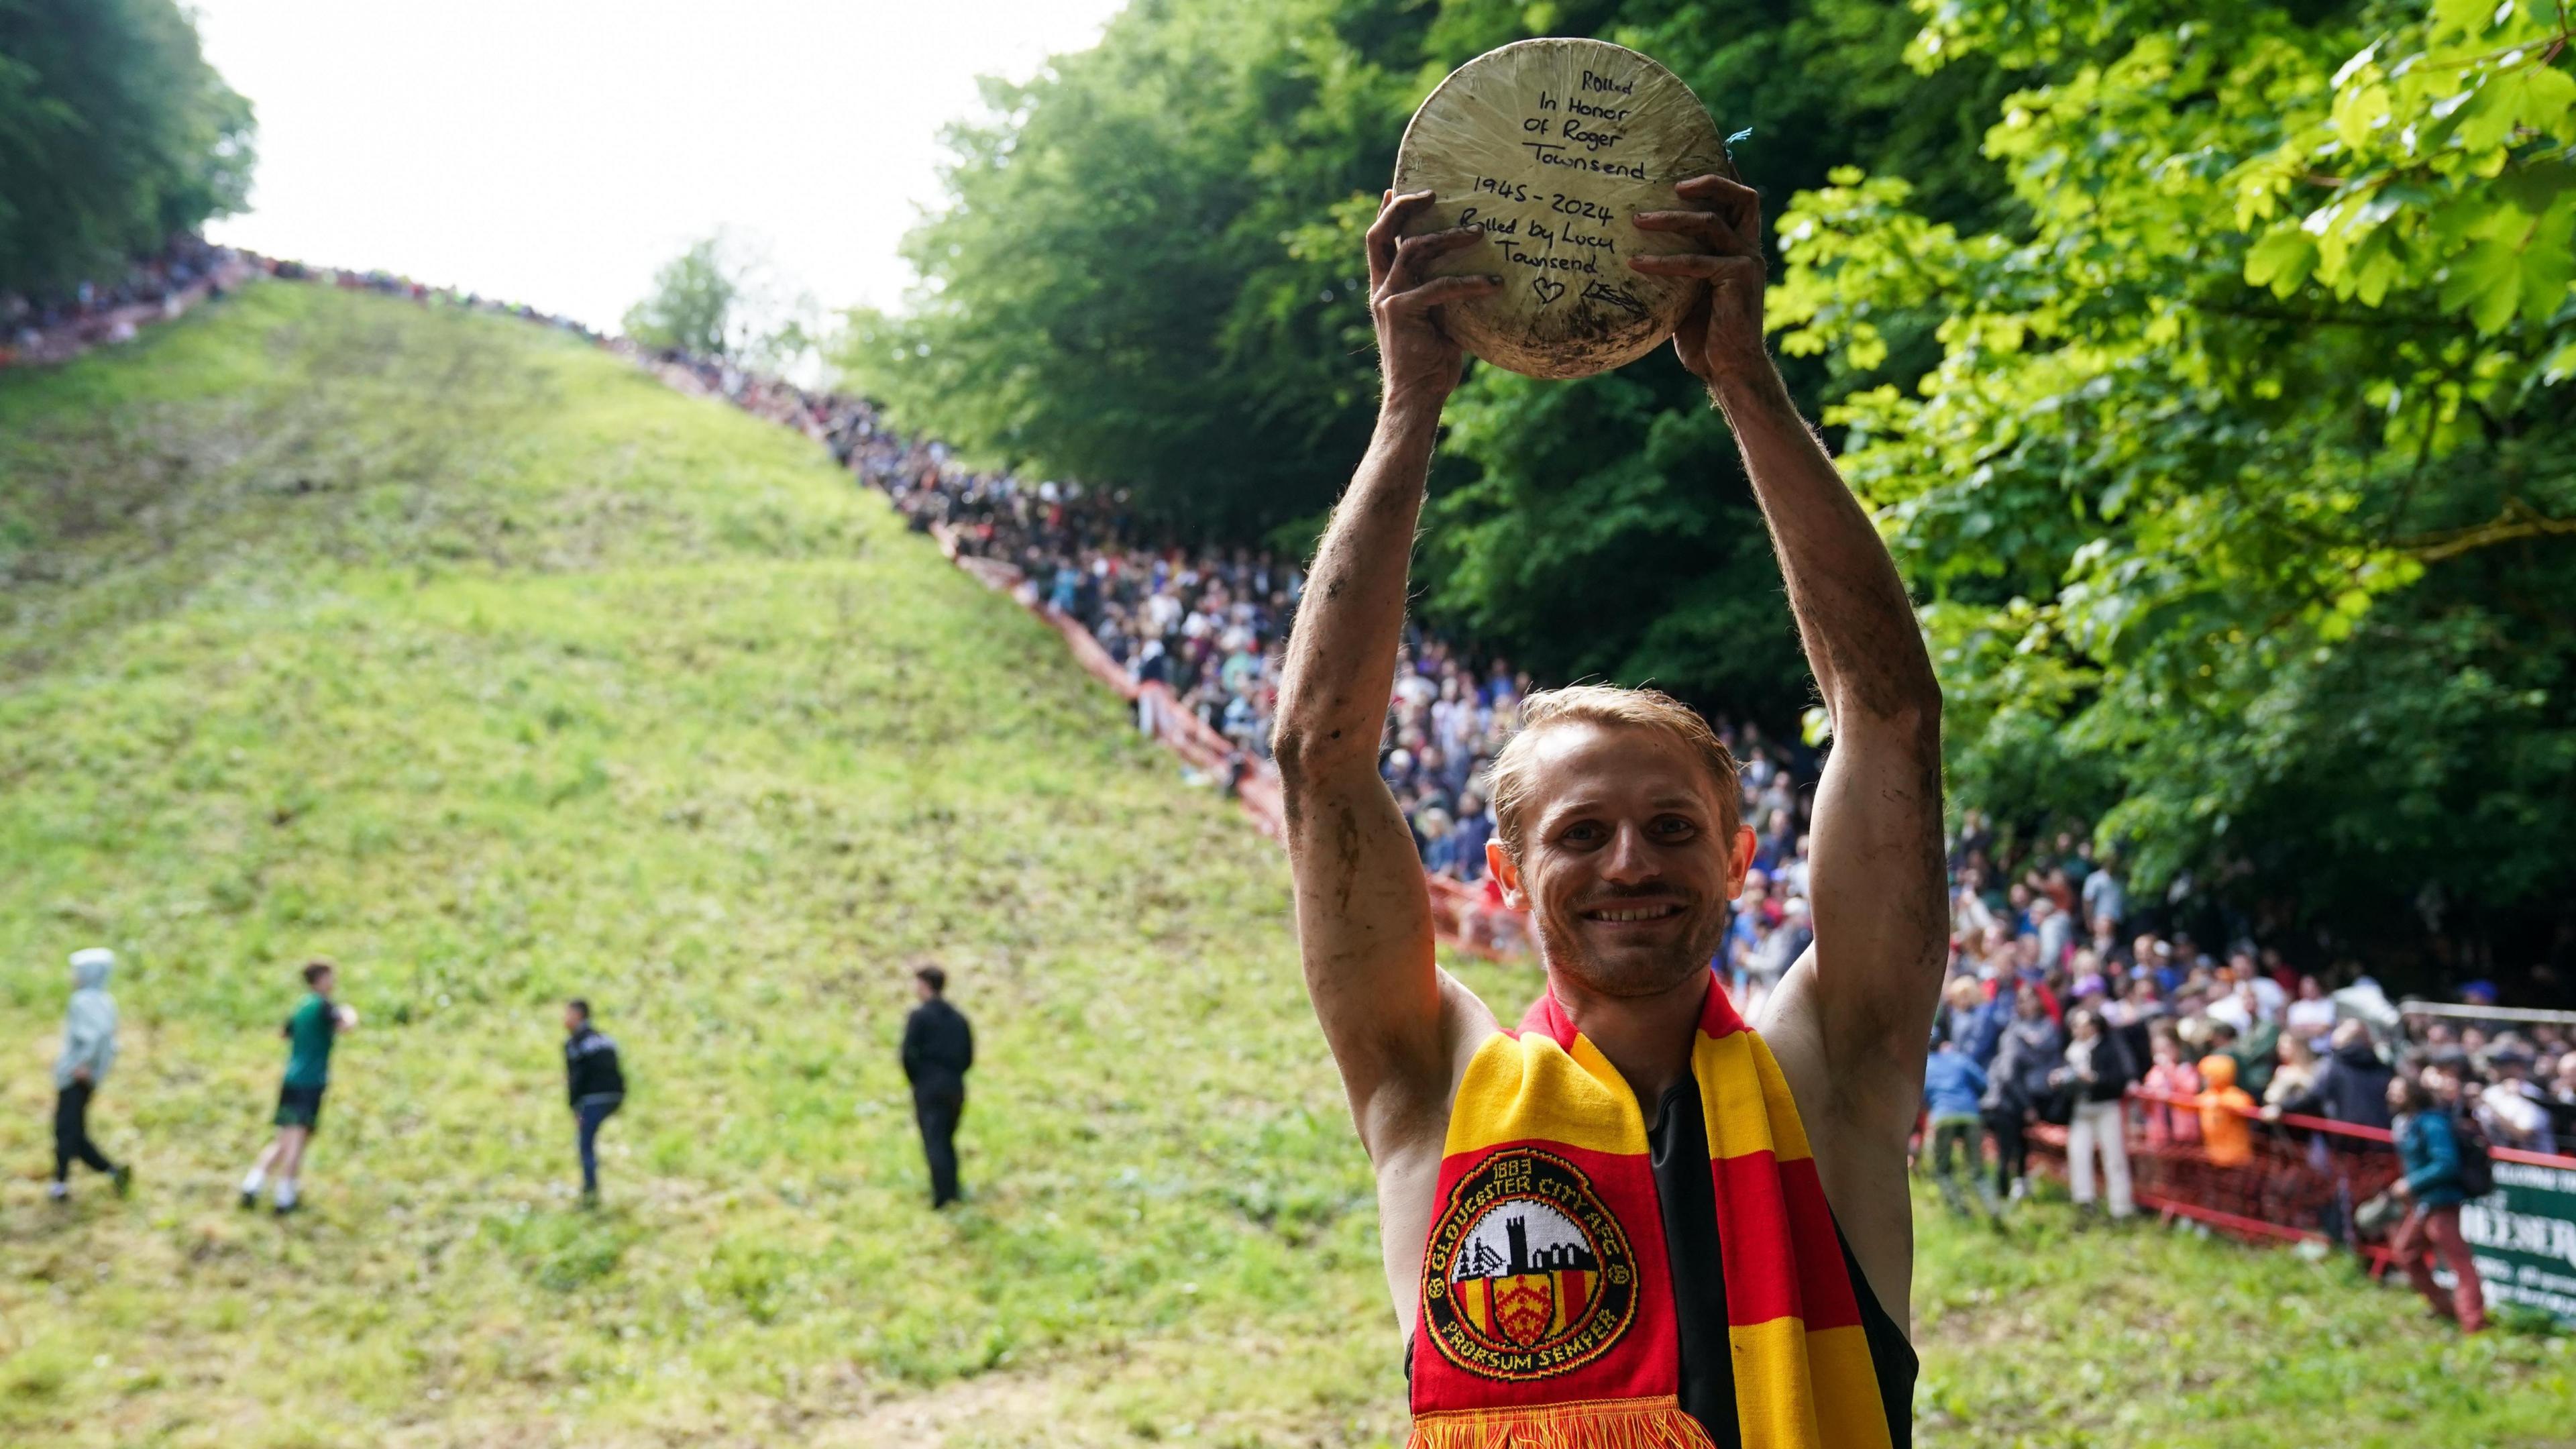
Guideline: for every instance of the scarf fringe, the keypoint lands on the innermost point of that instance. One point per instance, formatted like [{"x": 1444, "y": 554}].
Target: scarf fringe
[{"x": 1652, "y": 1423}]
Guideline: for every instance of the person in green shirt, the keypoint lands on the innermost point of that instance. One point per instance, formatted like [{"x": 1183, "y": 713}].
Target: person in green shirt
[{"x": 309, "y": 1033}]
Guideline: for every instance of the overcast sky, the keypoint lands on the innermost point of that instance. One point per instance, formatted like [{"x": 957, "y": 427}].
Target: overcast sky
[{"x": 555, "y": 152}]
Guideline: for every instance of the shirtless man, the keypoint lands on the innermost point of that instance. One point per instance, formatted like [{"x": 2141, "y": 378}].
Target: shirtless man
[{"x": 1602, "y": 1226}]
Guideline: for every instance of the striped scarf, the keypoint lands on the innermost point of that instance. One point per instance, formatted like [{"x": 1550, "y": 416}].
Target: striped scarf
[{"x": 1547, "y": 1306}]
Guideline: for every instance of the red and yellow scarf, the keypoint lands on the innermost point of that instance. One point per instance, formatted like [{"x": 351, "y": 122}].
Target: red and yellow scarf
[{"x": 1547, "y": 1307}]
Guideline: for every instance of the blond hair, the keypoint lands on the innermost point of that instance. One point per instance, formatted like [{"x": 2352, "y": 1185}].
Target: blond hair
[{"x": 1609, "y": 706}]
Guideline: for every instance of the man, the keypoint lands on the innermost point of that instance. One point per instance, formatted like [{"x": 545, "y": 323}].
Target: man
[
  {"x": 596, "y": 1085},
  {"x": 2247, "y": 973},
  {"x": 89, "y": 1049},
  {"x": 1631, "y": 1221},
  {"x": 938, "y": 1047},
  {"x": 2055, "y": 928},
  {"x": 310, "y": 1034},
  {"x": 1473, "y": 830},
  {"x": 2351, "y": 1086}
]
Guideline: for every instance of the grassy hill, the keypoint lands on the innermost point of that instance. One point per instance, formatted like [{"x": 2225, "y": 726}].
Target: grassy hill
[{"x": 457, "y": 651}]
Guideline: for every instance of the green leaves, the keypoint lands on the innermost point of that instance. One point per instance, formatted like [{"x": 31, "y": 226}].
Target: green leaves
[
  {"x": 691, "y": 305},
  {"x": 2450, "y": 162},
  {"x": 1151, "y": 278},
  {"x": 2268, "y": 395},
  {"x": 2282, "y": 260},
  {"x": 114, "y": 135}
]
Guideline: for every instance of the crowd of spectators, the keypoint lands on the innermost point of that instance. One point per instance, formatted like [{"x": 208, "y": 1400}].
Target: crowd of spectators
[
  {"x": 51, "y": 325},
  {"x": 1206, "y": 624},
  {"x": 2236, "y": 1072},
  {"x": 394, "y": 284},
  {"x": 2025, "y": 977},
  {"x": 2062, "y": 1009}
]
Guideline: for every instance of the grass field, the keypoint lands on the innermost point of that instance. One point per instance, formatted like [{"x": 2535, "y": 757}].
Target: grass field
[{"x": 455, "y": 650}]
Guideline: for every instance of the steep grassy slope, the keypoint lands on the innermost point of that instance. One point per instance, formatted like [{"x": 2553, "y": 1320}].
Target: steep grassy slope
[
  {"x": 466, "y": 655},
  {"x": 461, "y": 653}
]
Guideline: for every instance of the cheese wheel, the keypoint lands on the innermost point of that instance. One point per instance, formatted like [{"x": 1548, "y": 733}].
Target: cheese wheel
[{"x": 1551, "y": 146}]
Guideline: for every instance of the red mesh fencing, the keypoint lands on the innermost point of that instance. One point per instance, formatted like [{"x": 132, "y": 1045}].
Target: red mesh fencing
[{"x": 2291, "y": 1178}]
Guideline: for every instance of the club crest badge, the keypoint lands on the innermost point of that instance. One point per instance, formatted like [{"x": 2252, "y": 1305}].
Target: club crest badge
[{"x": 1528, "y": 1275}]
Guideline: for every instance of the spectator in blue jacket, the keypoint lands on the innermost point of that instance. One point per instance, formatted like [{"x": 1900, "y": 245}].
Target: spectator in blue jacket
[
  {"x": 2428, "y": 1149},
  {"x": 1953, "y": 1085},
  {"x": 1971, "y": 1022}
]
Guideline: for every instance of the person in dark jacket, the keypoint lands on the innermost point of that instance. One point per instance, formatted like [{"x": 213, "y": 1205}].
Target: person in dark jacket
[
  {"x": 938, "y": 1048},
  {"x": 2351, "y": 1087},
  {"x": 2428, "y": 1147},
  {"x": 2097, "y": 1070},
  {"x": 2017, "y": 1085},
  {"x": 596, "y": 1084}
]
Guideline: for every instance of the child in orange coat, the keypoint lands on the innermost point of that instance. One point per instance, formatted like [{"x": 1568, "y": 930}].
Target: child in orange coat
[{"x": 2224, "y": 1130}]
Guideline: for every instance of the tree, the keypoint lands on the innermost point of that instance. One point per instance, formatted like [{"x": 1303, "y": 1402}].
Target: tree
[
  {"x": 2244, "y": 484},
  {"x": 692, "y": 305},
  {"x": 115, "y": 136},
  {"x": 1116, "y": 290},
  {"x": 724, "y": 298},
  {"x": 1150, "y": 275}
]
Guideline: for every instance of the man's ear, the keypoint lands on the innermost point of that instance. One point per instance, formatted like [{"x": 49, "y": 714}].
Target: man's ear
[
  {"x": 1740, "y": 862},
  {"x": 1507, "y": 872}
]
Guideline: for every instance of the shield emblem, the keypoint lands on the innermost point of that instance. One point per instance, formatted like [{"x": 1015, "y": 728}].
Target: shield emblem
[
  {"x": 1527, "y": 1275},
  {"x": 1524, "y": 1306}
]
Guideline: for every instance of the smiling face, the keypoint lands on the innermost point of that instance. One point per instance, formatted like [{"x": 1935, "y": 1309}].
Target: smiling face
[{"x": 1627, "y": 856}]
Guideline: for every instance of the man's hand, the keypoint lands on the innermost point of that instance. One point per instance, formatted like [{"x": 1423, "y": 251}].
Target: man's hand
[
  {"x": 80, "y": 1074},
  {"x": 1415, "y": 356},
  {"x": 1722, "y": 334}
]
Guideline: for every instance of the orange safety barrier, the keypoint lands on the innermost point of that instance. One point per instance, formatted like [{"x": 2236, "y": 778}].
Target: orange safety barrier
[{"x": 1465, "y": 917}]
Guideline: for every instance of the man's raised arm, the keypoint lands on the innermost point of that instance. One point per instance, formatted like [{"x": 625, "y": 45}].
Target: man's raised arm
[
  {"x": 1363, "y": 912},
  {"x": 1875, "y": 871}
]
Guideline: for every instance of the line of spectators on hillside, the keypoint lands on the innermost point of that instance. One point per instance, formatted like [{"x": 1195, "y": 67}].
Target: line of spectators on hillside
[
  {"x": 1208, "y": 624},
  {"x": 395, "y": 284},
  {"x": 54, "y": 326},
  {"x": 50, "y": 325}
]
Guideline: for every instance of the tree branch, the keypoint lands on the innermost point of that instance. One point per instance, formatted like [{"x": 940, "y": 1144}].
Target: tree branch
[{"x": 2519, "y": 520}]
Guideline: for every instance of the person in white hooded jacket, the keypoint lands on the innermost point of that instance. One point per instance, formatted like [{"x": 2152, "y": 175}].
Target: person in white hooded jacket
[{"x": 89, "y": 1049}]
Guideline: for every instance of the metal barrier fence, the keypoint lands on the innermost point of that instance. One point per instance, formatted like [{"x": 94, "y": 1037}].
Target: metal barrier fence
[{"x": 2299, "y": 1178}]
